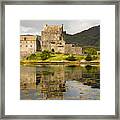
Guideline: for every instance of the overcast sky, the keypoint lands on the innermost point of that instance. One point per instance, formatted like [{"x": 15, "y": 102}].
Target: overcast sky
[{"x": 34, "y": 27}]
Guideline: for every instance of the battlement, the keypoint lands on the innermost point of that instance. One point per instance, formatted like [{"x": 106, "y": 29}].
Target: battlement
[{"x": 53, "y": 28}]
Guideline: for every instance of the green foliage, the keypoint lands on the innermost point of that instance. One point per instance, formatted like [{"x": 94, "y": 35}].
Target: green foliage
[
  {"x": 95, "y": 57},
  {"x": 45, "y": 55},
  {"x": 31, "y": 57},
  {"x": 90, "y": 37},
  {"x": 88, "y": 58},
  {"x": 91, "y": 51},
  {"x": 38, "y": 54},
  {"x": 71, "y": 58}
]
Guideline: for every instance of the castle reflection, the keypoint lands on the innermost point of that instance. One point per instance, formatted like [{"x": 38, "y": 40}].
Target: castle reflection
[{"x": 59, "y": 82}]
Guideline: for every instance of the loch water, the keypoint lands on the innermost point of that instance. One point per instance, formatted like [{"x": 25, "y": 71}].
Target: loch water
[{"x": 59, "y": 82}]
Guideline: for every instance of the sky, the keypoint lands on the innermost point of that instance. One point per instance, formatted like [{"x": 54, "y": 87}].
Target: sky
[{"x": 34, "y": 27}]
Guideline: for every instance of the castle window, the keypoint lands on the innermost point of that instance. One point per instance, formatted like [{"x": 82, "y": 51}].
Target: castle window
[
  {"x": 30, "y": 45},
  {"x": 24, "y": 38},
  {"x": 60, "y": 38},
  {"x": 26, "y": 45},
  {"x": 53, "y": 42},
  {"x": 60, "y": 43},
  {"x": 20, "y": 45}
]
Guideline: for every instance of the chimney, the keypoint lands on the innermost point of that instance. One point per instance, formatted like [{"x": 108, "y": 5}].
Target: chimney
[{"x": 62, "y": 27}]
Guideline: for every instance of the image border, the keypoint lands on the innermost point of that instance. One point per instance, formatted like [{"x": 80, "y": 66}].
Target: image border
[{"x": 2, "y": 60}]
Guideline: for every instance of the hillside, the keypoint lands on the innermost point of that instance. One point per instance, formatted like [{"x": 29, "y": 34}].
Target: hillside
[{"x": 90, "y": 37}]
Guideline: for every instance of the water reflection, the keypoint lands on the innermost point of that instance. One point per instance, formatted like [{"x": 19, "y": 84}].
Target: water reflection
[{"x": 59, "y": 82}]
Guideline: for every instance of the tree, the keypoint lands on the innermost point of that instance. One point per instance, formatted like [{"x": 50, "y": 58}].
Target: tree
[
  {"x": 45, "y": 55},
  {"x": 91, "y": 51},
  {"x": 88, "y": 58}
]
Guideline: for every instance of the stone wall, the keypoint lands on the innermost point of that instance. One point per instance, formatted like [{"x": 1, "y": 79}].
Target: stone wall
[
  {"x": 27, "y": 45},
  {"x": 30, "y": 44},
  {"x": 68, "y": 48},
  {"x": 72, "y": 49},
  {"x": 76, "y": 50},
  {"x": 52, "y": 38}
]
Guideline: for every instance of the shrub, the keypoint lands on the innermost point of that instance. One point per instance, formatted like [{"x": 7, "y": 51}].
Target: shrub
[
  {"x": 88, "y": 58},
  {"x": 95, "y": 57},
  {"x": 91, "y": 51},
  {"x": 38, "y": 54},
  {"x": 31, "y": 57},
  {"x": 45, "y": 55}
]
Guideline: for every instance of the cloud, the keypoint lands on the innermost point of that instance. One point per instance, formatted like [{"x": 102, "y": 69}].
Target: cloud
[
  {"x": 28, "y": 30},
  {"x": 70, "y": 26},
  {"x": 25, "y": 29},
  {"x": 78, "y": 26}
]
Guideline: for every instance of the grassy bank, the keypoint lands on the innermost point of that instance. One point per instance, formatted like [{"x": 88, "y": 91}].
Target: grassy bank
[{"x": 54, "y": 58}]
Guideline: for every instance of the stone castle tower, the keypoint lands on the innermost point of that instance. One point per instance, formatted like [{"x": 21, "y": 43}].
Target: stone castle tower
[{"x": 52, "y": 38}]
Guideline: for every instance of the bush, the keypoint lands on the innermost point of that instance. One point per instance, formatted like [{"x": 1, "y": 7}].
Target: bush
[
  {"x": 91, "y": 51},
  {"x": 88, "y": 58},
  {"x": 31, "y": 57},
  {"x": 38, "y": 54},
  {"x": 45, "y": 55},
  {"x": 95, "y": 57},
  {"x": 71, "y": 58}
]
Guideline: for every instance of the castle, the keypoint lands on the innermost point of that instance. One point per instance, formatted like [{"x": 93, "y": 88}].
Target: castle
[{"x": 52, "y": 39}]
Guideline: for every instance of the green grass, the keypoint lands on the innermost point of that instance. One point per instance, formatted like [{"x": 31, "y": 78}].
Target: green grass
[
  {"x": 57, "y": 57},
  {"x": 62, "y": 57},
  {"x": 53, "y": 57}
]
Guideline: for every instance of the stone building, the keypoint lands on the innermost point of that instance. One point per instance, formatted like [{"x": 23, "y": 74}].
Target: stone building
[
  {"x": 29, "y": 44},
  {"x": 52, "y": 39},
  {"x": 73, "y": 49}
]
